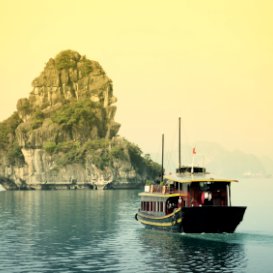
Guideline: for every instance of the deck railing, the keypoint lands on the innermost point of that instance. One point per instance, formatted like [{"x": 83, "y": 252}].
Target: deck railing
[{"x": 162, "y": 189}]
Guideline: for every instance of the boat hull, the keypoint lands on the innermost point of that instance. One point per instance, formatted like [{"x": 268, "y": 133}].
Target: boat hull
[
  {"x": 212, "y": 219},
  {"x": 205, "y": 219}
]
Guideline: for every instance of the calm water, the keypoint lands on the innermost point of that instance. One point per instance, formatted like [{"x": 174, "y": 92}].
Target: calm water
[{"x": 93, "y": 231}]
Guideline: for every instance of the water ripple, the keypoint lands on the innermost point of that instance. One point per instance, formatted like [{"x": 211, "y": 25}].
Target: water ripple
[{"x": 89, "y": 231}]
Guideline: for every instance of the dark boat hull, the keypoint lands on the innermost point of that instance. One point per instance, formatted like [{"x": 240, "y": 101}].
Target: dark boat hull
[
  {"x": 211, "y": 219},
  {"x": 205, "y": 219}
]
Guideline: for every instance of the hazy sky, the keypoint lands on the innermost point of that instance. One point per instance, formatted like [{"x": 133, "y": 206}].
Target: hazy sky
[{"x": 210, "y": 62}]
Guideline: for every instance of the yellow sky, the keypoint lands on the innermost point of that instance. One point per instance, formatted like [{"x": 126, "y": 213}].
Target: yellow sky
[{"x": 209, "y": 62}]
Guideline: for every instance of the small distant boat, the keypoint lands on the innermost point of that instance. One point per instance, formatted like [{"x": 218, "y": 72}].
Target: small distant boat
[{"x": 191, "y": 201}]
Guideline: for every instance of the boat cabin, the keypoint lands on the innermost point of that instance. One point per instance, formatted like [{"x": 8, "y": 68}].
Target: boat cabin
[
  {"x": 176, "y": 193},
  {"x": 190, "y": 170}
]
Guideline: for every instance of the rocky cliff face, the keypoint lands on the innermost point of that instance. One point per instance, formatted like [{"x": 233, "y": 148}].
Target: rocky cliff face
[
  {"x": 65, "y": 131},
  {"x": 69, "y": 80}
]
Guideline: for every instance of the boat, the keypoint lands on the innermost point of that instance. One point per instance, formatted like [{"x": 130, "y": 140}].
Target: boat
[{"x": 192, "y": 201}]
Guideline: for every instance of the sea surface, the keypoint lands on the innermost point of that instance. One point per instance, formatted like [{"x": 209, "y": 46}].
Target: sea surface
[{"x": 95, "y": 231}]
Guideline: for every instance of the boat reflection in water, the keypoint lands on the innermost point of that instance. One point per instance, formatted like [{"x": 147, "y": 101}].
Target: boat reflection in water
[{"x": 194, "y": 253}]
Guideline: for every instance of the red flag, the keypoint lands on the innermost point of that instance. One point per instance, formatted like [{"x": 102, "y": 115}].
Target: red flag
[{"x": 193, "y": 151}]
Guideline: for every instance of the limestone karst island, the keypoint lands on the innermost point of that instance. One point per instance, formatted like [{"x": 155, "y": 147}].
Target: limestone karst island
[{"x": 64, "y": 136}]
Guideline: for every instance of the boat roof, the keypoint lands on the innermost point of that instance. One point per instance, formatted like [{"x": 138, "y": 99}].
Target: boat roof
[
  {"x": 197, "y": 178},
  {"x": 162, "y": 195}
]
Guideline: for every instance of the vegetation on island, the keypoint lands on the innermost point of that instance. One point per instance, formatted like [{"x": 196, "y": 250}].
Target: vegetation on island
[
  {"x": 103, "y": 153},
  {"x": 8, "y": 142}
]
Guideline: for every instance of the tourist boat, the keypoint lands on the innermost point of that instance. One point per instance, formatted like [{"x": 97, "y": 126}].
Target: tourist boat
[{"x": 192, "y": 201}]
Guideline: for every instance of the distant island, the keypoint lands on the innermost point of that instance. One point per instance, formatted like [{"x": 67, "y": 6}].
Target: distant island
[{"x": 64, "y": 134}]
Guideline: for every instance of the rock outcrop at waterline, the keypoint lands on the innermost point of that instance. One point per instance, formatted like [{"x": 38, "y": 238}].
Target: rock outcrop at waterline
[{"x": 65, "y": 132}]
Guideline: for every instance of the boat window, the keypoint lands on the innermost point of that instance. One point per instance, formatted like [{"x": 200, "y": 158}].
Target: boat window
[
  {"x": 152, "y": 206},
  {"x": 188, "y": 169},
  {"x": 209, "y": 194},
  {"x": 146, "y": 206}
]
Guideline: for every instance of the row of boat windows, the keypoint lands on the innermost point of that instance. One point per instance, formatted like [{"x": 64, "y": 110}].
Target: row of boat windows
[{"x": 152, "y": 206}]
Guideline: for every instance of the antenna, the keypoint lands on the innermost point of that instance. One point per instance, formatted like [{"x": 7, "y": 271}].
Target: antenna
[
  {"x": 162, "y": 163},
  {"x": 179, "y": 142}
]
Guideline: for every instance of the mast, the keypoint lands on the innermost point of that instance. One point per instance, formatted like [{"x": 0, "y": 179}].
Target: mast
[
  {"x": 162, "y": 162},
  {"x": 179, "y": 143}
]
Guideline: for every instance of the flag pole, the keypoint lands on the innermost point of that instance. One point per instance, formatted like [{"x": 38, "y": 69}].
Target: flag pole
[
  {"x": 192, "y": 162},
  {"x": 179, "y": 143}
]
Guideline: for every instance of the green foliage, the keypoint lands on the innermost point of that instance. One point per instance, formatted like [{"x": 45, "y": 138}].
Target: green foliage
[
  {"x": 13, "y": 121},
  {"x": 85, "y": 66},
  {"x": 70, "y": 152},
  {"x": 96, "y": 144},
  {"x": 102, "y": 153},
  {"x": 15, "y": 155},
  {"x": 135, "y": 156},
  {"x": 67, "y": 152},
  {"x": 83, "y": 114},
  {"x": 102, "y": 159},
  {"x": 8, "y": 141},
  {"x": 67, "y": 59},
  {"x": 143, "y": 164},
  {"x": 50, "y": 147},
  {"x": 118, "y": 153},
  {"x": 153, "y": 168},
  {"x": 37, "y": 119},
  {"x": 73, "y": 155},
  {"x": 3, "y": 135},
  {"x": 72, "y": 113},
  {"x": 148, "y": 182},
  {"x": 24, "y": 106},
  {"x": 7, "y": 128},
  {"x": 98, "y": 150}
]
